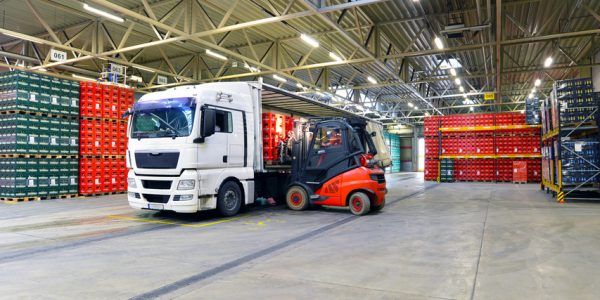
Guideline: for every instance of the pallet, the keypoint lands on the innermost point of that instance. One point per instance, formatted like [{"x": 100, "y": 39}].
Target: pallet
[
  {"x": 102, "y": 119},
  {"x": 102, "y": 194},
  {"x": 38, "y": 156},
  {"x": 38, "y": 198},
  {"x": 38, "y": 113}
]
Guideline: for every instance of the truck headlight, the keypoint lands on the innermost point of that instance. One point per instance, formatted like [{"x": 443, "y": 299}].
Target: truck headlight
[
  {"x": 183, "y": 197},
  {"x": 131, "y": 183},
  {"x": 186, "y": 184}
]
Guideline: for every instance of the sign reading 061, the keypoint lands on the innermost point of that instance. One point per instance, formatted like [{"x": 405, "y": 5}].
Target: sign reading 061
[{"x": 488, "y": 96}]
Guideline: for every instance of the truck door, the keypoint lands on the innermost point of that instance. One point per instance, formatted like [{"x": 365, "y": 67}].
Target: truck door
[
  {"x": 214, "y": 152},
  {"x": 235, "y": 152}
]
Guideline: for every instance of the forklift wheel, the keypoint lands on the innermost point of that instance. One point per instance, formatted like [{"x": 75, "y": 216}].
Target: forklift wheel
[
  {"x": 378, "y": 207},
  {"x": 359, "y": 203},
  {"x": 296, "y": 198}
]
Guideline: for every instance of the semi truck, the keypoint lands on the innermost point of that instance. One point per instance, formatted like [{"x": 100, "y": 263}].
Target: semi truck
[{"x": 201, "y": 147}]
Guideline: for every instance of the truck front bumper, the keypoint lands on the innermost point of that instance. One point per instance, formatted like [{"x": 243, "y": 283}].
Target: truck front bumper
[{"x": 161, "y": 193}]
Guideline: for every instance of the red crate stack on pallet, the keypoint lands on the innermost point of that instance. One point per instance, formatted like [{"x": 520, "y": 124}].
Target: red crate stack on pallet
[
  {"x": 103, "y": 138},
  {"x": 276, "y": 128},
  {"x": 483, "y": 146}
]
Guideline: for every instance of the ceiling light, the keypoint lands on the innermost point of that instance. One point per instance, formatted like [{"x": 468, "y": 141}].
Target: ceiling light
[
  {"x": 538, "y": 82},
  {"x": 426, "y": 114},
  {"x": 438, "y": 43},
  {"x": 144, "y": 69},
  {"x": 251, "y": 69},
  {"x": 522, "y": 111},
  {"x": 102, "y": 13},
  {"x": 215, "y": 55},
  {"x": 299, "y": 85},
  {"x": 548, "y": 62},
  {"x": 83, "y": 77},
  {"x": 530, "y": 96},
  {"x": 279, "y": 78},
  {"x": 335, "y": 56},
  {"x": 410, "y": 104},
  {"x": 465, "y": 96},
  {"x": 533, "y": 90},
  {"x": 43, "y": 69},
  {"x": 472, "y": 108},
  {"x": 416, "y": 107},
  {"x": 457, "y": 81},
  {"x": 460, "y": 88},
  {"x": 453, "y": 72},
  {"x": 309, "y": 40},
  {"x": 371, "y": 80}
]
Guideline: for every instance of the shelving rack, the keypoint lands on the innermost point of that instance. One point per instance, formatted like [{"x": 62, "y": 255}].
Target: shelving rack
[
  {"x": 570, "y": 145},
  {"x": 486, "y": 157}
]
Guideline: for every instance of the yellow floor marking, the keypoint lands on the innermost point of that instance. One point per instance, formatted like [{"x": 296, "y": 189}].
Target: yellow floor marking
[
  {"x": 173, "y": 223},
  {"x": 9, "y": 202}
]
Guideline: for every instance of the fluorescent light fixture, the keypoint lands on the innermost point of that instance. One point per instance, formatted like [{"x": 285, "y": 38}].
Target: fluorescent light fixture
[
  {"x": 461, "y": 89},
  {"x": 83, "y": 77},
  {"x": 457, "y": 81},
  {"x": 533, "y": 90},
  {"x": 438, "y": 43},
  {"x": 427, "y": 114},
  {"x": 453, "y": 72},
  {"x": 548, "y": 62},
  {"x": 530, "y": 96},
  {"x": 281, "y": 79},
  {"x": 299, "y": 85},
  {"x": 410, "y": 104},
  {"x": 137, "y": 79},
  {"x": 416, "y": 107},
  {"x": 472, "y": 108},
  {"x": 215, "y": 55},
  {"x": 538, "y": 82},
  {"x": 371, "y": 80},
  {"x": 309, "y": 40},
  {"x": 335, "y": 56},
  {"x": 465, "y": 96},
  {"x": 102, "y": 13}
]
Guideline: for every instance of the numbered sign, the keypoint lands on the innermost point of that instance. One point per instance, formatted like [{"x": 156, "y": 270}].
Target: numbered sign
[{"x": 57, "y": 55}]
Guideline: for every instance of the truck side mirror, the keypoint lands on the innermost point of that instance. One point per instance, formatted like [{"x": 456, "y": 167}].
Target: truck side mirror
[{"x": 207, "y": 126}]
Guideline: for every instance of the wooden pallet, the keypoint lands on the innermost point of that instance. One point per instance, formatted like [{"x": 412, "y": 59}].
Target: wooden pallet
[
  {"x": 103, "y": 194},
  {"x": 519, "y": 182},
  {"x": 22, "y": 199},
  {"x": 103, "y": 119},
  {"x": 38, "y": 156},
  {"x": 38, "y": 198},
  {"x": 65, "y": 196},
  {"x": 37, "y": 113}
]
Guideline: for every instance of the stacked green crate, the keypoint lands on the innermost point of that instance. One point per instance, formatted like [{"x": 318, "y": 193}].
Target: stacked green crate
[
  {"x": 395, "y": 152},
  {"x": 39, "y": 115},
  {"x": 447, "y": 170}
]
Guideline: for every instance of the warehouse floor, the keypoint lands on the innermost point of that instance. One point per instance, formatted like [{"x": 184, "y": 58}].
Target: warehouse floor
[{"x": 445, "y": 241}]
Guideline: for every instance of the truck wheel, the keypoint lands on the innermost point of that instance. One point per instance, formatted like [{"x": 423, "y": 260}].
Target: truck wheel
[
  {"x": 378, "y": 207},
  {"x": 297, "y": 198},
  {"x": 359, "y": 203},
  {"x": 229, "y": 199}
]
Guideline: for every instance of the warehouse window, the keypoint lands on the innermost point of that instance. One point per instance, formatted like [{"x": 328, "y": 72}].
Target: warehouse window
[{"x": 223, "y": 122}]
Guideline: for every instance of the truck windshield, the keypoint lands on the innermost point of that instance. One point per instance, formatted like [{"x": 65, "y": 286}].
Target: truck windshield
[{"x": 172, "y": 117}]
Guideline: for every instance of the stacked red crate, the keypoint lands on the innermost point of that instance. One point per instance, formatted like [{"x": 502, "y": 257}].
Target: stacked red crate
[
  {"x": 431, "y": 147},
  {"x": 431, "y": 169},
  {"x": 103, "y": 135},
  {"x": 534, "y": 170},
  {"x": 431, "y": 126},
  {"x": 519, "y": 171},
  {"x": 276, "y": 128}
]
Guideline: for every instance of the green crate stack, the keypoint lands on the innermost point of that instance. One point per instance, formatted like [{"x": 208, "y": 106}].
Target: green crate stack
[
  {"x": 447, "y": 170},
  {"x": 39, "y": 133},
  {"x": 38, "y": 177},
  {"x": 392, "y": 141}
]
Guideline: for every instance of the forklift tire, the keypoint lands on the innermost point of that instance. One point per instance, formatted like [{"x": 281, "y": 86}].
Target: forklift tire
[
  {"x": 378, "y": 207},
  {"x": 297, "y": 198},
  {"x": 229, "y": 199},
  {"x": 359, "y": 203}
]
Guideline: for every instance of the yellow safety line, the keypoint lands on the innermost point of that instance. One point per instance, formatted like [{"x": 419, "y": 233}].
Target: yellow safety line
[
  {"x": 9, "y": 202},
  {"x": 173, "y": 223}
]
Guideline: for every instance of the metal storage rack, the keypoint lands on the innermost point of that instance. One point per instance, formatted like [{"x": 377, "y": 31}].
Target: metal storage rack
[{"x": 572, "y": 144}]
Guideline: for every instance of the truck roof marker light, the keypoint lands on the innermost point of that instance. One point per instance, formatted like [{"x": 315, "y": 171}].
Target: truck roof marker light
[
  {"x": 102, "y": 13},
  {"x": 309, "y": 40},
  {"x": 215, "y": 55},
  {"x": 278, "y": 78}
]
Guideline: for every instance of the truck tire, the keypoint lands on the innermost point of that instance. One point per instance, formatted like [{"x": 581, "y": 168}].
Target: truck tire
[
  {"x": 297, "y": 198},
  {"x": 359, "y": 203},
  {"x": 378, "y": 207},
  {"x": 229, "y": 199}
]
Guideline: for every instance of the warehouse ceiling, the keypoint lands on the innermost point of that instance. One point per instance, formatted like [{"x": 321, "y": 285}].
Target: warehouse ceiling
[{"x": 375, "y": 55}]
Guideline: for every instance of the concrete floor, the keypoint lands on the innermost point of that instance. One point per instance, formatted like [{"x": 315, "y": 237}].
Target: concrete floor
[{"x": 432, "y": 241}]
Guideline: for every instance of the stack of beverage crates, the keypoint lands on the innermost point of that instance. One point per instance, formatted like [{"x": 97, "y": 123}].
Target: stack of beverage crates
[
  {"x": 394, "y": 145},
  {"x": 276, "y": 128},
  {"x": 577, "y": 100},
  {"x": 491, "y": 141},
  {"x": 532, "y": 111},
  {"x": 103, "y": 138},
  {"x": 39, "y": 136},
  {"x": 578, "y": 163},
  {"x": 446, "y": 170}
]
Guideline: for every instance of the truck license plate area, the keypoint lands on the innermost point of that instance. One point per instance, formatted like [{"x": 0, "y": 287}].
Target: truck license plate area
[{"x": 155, "y": 206}]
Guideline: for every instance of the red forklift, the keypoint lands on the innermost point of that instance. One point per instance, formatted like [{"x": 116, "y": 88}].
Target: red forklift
[{"x": 333, "y": 165}]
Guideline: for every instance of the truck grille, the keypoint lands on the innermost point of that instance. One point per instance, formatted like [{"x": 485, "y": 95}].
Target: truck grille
[
  {"x": 161, "y": 160},
  {"x": 156, "y": 198},
  {"x": 157, "y": 184}
]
